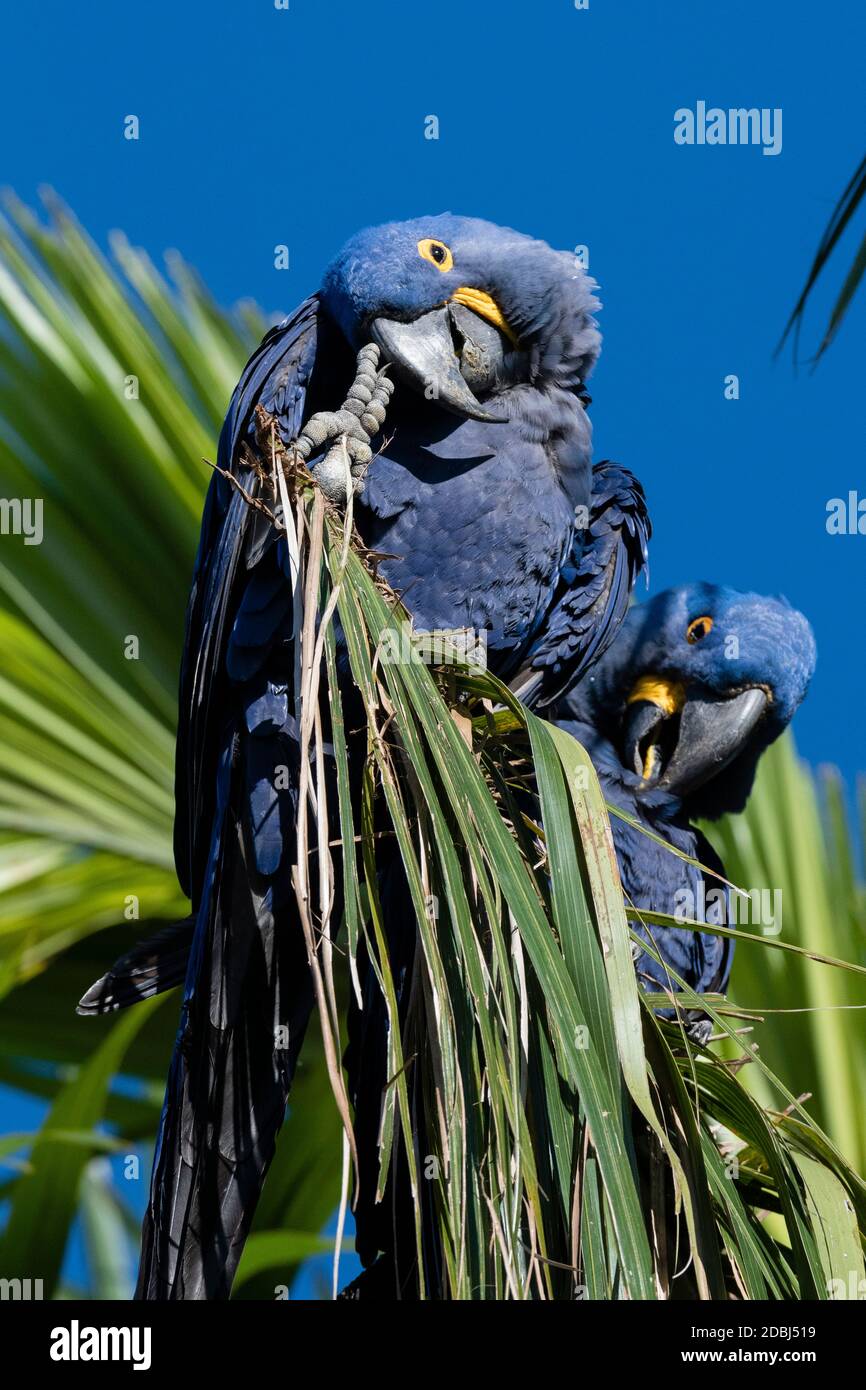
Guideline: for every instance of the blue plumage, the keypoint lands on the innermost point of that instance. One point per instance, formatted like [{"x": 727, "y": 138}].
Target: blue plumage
[
  {"x": 737, "y": 666},
  {"x": 479, "y": 515}
]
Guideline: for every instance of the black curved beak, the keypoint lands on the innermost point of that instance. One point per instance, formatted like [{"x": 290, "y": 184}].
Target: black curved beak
[
  {"x": 644, "y": 728},
  {"x": 423, "y": 353},
  {"x": 683, "y": 750}
]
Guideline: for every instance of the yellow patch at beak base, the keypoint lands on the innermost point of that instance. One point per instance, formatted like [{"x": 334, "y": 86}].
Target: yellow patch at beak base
[
  {"x": 669, "y": 696},
  {"x": 487, "y": 308}
]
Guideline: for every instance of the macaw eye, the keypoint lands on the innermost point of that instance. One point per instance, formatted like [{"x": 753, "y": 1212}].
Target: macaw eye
[
  {"x": 437, "y": 253},
  {"x": 698, "y": 629}
]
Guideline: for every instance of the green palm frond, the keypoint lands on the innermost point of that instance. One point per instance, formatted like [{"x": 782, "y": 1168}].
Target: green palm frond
[
  {"x": 794, "y": 838},
  {"x": 842, "y": 214},
  {"x": 112, "y": 389},
  {"x": 541, "y": 1060}
]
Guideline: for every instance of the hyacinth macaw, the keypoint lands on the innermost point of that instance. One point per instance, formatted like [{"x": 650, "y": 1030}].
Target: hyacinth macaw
[
  {"x": 675, "y": 717},
  {"x": 481, "y": 494},
  {"x": 697, "y": 684}
]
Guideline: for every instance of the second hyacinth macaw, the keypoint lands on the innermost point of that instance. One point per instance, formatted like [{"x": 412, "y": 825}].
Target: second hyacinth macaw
[{"x": 699, "y": 682}]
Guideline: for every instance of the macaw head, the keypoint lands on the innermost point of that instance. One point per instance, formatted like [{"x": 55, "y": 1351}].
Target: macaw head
[
  {"x": 463, "y": 309},
  {"x": 698, "y": 683}
]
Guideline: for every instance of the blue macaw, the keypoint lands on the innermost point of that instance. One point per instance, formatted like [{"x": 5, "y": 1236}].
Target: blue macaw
[
  {"x": 697, "y": 684},
  {"x": 675, "y": 717},
  {"x": 481, "y": 496}
]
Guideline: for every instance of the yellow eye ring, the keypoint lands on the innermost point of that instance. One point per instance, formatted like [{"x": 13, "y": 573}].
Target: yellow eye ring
[
  {"x": 437, "y": 253},
  {"x": 698, "y": 628}
]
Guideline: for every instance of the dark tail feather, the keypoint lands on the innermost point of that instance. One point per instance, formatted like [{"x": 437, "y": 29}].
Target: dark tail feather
[
  {"x": 151, "y": 967},
  {"x": 246, "y": 1006}
]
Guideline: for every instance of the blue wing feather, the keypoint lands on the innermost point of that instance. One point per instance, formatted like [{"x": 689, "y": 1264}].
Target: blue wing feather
[
  {"x": 237, "y": 782},
  {"x": 595, "y": 589},
  {"x": 278, "y": 374}
]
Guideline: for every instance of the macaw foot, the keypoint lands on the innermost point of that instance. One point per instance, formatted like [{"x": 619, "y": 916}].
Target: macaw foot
[
  {"x": 349, "y": 430},
  {"x": 698, "y": 1027}
]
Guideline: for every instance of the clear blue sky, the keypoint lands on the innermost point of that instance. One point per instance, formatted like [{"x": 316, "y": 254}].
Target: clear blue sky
[{"x": 261, "y": 126}]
